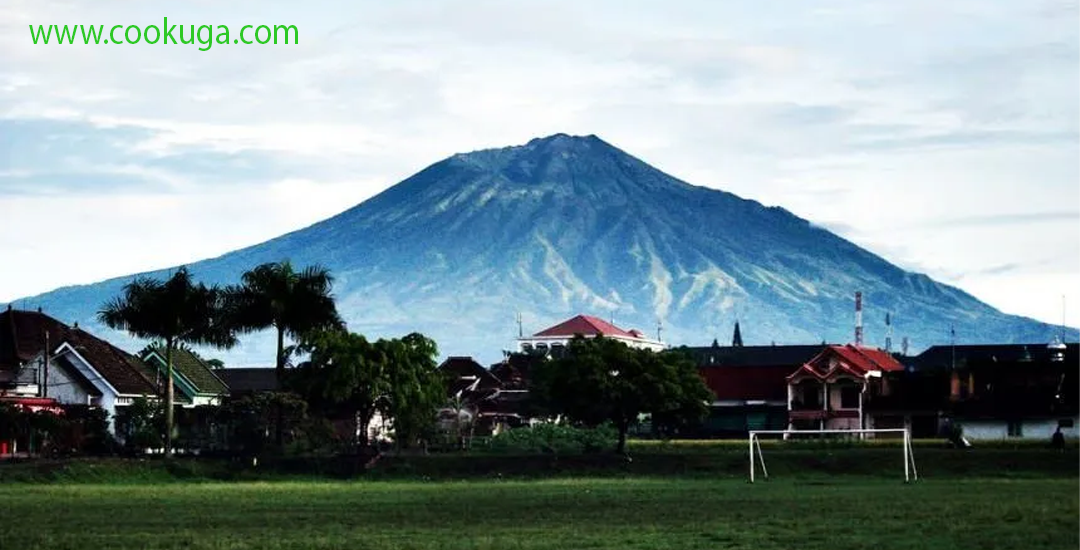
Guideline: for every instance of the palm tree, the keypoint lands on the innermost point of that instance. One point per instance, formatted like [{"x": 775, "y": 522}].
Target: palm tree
[
  {"x": 292, "y": 302},
  {"x": 176, "y": 311}
]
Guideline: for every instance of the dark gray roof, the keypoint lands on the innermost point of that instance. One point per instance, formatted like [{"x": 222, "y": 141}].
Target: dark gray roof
[
  {"x": 244, "y": 380},
  {"x": 752, "y": 356},
  {"x": 939, "y": 357}
]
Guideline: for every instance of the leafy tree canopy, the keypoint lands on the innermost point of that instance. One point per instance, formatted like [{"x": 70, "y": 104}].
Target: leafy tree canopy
[
  {"x": 397, "y": 377},
  {"x": 600, "y": 380}
]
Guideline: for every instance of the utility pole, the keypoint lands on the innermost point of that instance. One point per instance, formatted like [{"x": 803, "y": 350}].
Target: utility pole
[
  {"x": 952, "y": 338},
  {"x": 858, "y": 319},
  {"x": 45, "y": 368}
]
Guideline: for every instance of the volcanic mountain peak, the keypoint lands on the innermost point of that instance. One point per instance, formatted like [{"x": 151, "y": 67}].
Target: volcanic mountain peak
[{"x": 571, "y": 224}]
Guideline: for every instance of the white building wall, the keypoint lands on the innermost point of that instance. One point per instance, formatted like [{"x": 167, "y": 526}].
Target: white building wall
[
  {"x": 65, "y": 389},
  {"x": 988, "y": 430},
  {"x": 529, "y": 344},
  {"x": 203, "y": 400},
  {"x": 842, "y": 424},
  {"x": 1044, "y": 429},
  {"x": 108, "y": 398}
]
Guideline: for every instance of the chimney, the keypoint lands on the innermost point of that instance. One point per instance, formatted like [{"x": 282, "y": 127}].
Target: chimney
[{"x": 858, "y": 318}]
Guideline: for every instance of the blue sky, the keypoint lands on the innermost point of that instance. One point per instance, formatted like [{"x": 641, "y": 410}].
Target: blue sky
[{"x": 943, "y": 136}]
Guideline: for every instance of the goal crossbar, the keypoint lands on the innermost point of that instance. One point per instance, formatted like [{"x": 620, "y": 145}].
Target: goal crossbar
[{"x": 910, "y": 473}]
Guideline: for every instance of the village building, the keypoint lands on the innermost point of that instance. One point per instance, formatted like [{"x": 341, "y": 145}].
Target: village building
[
  {"x": 195, "y": 383},
  {"x": 42, "y": 358},
  {"x": 830, "y": 391},
  {"x": 552, "y": 340},
  {"x": 1000, "y": 391},
  {"x": 749, "y": 385},
  {"x": 479, "y": 398}
]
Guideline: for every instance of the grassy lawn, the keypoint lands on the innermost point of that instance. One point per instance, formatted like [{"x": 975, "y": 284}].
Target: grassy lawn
[{"x": 803, "y": 513}]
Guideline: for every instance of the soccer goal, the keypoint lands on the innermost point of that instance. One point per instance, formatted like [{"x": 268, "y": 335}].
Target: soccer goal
[{"x": 910, "y": 473}]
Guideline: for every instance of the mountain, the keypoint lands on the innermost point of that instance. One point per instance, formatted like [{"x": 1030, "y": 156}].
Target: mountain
[{"x": 568, "y": 224}]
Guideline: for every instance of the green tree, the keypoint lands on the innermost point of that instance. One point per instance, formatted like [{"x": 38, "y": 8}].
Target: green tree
[
  {"x": 293, "y": 303},
  {"x": 143, "y": 423},
  {"x": 248, "y": 420},
  {"x": 601, "y": 380},
  {"x": 417, "y": 388},
  {"x": 345, "y": 373},
  {"x": 396, "y": 377},
  {"x": 176, "y": 311}
]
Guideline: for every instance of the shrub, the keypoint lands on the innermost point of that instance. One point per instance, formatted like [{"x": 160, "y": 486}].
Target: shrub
[{"x": 554, "y": 439}]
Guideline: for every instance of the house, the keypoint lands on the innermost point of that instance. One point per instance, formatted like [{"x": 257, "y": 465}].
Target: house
[
  {"x": 829, "y": 392},
  {"x": 43, "y": 357},
  {"x": 749, "y": 384},
  {"x": 194, "y": 382},
  {"x": 466, "y": 379},
  {"x": 553, "y": 339},
  {"x": 481, "y": 398},
  {"x": 1002, "y": 391}
]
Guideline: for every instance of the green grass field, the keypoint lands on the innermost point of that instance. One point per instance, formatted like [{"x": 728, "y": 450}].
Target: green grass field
[{"x": 794, "y": 513}]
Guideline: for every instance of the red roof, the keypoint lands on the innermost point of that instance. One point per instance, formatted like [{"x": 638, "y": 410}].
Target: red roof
[
  {"x": 855, "y": 360},
  {"x": 586, "y": 325},
  {"x": 766, "y": 383},
  {"x": 34, "y": 404}
]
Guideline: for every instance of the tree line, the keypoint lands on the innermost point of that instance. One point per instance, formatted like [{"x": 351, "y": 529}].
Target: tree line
[
  {"x": 398, "y": 376},
  {"x": 594, "y": 382}
]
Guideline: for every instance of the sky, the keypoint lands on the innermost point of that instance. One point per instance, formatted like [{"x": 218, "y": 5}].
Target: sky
[{"x": 944, "y": 136}]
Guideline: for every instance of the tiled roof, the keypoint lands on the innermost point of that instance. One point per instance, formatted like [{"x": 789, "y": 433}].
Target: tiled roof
[
  {"x": 748, "y": 384},
  {"x": 194, "y": 369},
  {"x": 120, "y": 369},
  {"x": 22, "y": 336},
  {"x": 855, "y": 360},
  {"x": 76, "y": 376},
  {"x": 750, "y": 373},
  {"x": 246, "y": 380},
  {"x": 466, "y": 375},
  {"x": 585, "y": 325},
  {"x": 753, "y": 356},
  {"x": 942, "y": 357}
]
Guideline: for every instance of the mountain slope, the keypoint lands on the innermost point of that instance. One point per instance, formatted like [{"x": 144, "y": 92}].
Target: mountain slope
[{"x": 572, "y": 224}]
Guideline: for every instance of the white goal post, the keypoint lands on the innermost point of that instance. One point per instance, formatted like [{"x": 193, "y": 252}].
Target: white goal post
[{"x": 755, "y": 446}]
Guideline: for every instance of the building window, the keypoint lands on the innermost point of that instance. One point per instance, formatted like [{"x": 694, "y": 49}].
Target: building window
[
  {"x": 849, "y": 396},
  {"x": 1015, "y": 428}
]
